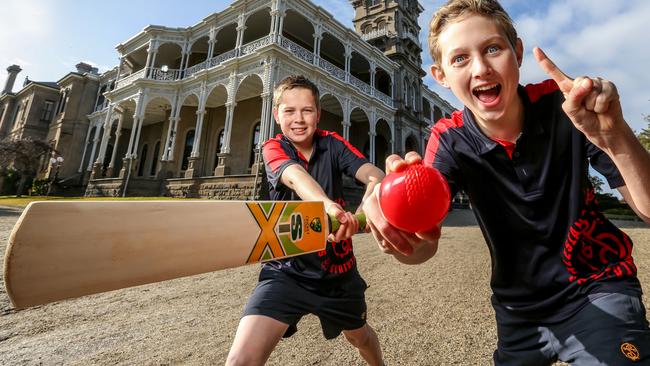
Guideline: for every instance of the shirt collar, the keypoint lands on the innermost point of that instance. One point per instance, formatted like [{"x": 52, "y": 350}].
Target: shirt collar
[{"x": 532, "y": 125}]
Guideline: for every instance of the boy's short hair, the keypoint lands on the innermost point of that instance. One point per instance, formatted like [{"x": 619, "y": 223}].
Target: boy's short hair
[
  {"x": 295, "y": 81},
  {"x": 455, "y": 9}
]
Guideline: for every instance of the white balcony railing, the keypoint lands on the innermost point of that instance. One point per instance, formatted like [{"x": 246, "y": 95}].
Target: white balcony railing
[
  {"x": 130, "y": 79},
  {"x": 361, "y": 85},
  {"x": 331, "y": 69},
  {"x": 164, "y": 74},
  {"x": 297, "y": 50},
  {"x": 376, "y": 34},
  {"x": 249, "y": 48},
  {"x": 384, "y": 98}
]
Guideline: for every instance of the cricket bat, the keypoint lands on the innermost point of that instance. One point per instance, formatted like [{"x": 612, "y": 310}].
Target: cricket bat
[{"x": 65, "y": 249}]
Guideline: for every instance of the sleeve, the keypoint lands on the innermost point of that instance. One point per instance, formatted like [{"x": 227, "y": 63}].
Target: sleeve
[
  {"x": 440, "y": 157},
  {"x": 604, "y": 165},
  {"x": 349, "y": 158},
  {"x": 276, "y": 160}
]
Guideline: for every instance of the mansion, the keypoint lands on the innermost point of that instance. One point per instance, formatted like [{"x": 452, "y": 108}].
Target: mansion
[{"x": 186, "y": 110}]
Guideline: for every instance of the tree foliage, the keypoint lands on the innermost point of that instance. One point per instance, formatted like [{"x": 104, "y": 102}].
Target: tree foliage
[
  {"x": 23, "y": 156},
  {"x": 644, "y": 135},
  {"x": 597, "y": 183}
]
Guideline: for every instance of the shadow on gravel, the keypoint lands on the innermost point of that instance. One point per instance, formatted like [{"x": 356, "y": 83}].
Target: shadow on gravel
[
  {"x": 460, "y": 218},
  {"x": 6, "y": 211}
]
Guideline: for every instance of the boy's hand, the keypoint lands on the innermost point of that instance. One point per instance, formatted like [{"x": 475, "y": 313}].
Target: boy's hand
[
  {"x": 592, "y": 104},
  {"x": 349, "y": 223},
  {"x": 390, "y": 239}
]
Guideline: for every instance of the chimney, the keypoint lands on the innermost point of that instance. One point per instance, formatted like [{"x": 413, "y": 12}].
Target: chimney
[
  {"x": 13, "y": 71},
  {"x": 83, "y": 68}
]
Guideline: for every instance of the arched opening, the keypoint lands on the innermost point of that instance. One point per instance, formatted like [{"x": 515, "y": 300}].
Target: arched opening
[
  {"x": 411, "y": 144},
  {"x": 331, "y": 118},
  {"x": 155, "y": 157},
  {"x": 257, "y": 26},
  {"x": 143, "y": 160},
  {"x": 255, "y": 139},
  {"x": 187, "y": 149},
  {"x": 437, "y": 114},
  {"x": 426, "y": 109},
  {"x": 218, "y": 148},
  {"x": 199, "y": 51},
  {"x": 383, "y": 82},
  {"x": 299, "y": 30},
  {"x": 359, "y": 128},
  {"x": 382, "y": 143}
]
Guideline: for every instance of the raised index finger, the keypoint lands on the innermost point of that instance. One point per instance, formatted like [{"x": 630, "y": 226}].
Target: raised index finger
[{"x": 563, "y": 81}]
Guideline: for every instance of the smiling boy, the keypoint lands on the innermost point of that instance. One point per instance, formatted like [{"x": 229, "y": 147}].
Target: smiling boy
[
  {"x": 563, "y": 278},
  {"x": 305, "y": 163}
]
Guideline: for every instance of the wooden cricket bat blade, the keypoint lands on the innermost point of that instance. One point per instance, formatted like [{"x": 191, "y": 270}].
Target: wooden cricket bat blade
[{"x": 65, "y": 249}]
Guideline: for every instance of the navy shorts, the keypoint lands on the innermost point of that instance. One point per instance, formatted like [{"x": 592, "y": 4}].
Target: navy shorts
[
  {"x": 611, "y": 329},
  {"x": 283, "y": 298}
]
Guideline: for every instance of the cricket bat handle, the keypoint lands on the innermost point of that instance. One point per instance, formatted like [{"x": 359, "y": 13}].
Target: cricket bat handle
[{"x": 335, "y": 224}]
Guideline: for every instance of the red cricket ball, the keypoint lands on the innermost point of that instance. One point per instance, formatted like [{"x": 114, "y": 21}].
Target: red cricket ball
[{"x": 415, "y": 199}]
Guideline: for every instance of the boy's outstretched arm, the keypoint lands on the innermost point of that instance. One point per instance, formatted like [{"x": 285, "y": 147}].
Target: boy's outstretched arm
[
  {"x": 405, "y": 247},
  {"x": 296, "y": 178},
  {"x": 371, "y": 176},
  {"x": 594, "y": 107}
]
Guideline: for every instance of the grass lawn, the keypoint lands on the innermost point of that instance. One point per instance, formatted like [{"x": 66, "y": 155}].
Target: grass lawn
[{"x": 25, "y": 200}]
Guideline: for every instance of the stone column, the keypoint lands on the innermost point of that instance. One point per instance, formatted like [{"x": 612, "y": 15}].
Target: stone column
[
  {"x": 194, "y": 161},
  {"x": 372, "y": 135},
  {"x": 222, "y": 168},
  {"x": 94, "y": 149},
  {"x": 83, "y": 155}
]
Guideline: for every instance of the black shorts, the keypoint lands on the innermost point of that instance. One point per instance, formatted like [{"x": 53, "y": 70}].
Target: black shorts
[
  {"x": 610, "y": 330},
  {"x": 283, "y": 298}
]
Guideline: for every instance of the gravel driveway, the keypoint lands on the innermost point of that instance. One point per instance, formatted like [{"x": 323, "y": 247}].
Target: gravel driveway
[{"x": 437, "y": 313}]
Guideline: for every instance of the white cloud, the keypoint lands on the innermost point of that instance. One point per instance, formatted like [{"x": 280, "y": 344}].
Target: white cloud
[{"x": 25, "y": 26}]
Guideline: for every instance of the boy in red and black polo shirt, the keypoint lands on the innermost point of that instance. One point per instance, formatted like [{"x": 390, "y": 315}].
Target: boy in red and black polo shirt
[
  {"x": 563, "y": 279},
  {"x": 305, "y": 163}
]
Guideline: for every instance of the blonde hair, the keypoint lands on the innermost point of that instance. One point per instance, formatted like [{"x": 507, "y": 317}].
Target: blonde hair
[
  {"x": 455, "y": 9},
  {"x": 295, "y": 81}
]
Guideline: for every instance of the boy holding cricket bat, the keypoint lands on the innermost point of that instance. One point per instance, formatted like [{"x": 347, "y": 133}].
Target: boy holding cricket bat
[{"x": 305, "y": 163}]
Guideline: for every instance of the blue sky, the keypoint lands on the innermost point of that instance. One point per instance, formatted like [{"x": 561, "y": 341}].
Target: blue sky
[{"x": 584, "y": 37}]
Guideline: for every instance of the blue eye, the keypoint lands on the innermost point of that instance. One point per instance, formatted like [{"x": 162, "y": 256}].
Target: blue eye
[
  {"x": 492, "y": 49},
  {"x": 458, "y": 59}
]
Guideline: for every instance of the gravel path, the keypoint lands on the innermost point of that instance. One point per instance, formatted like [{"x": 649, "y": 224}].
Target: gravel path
[{"x": 437, "y": 313}]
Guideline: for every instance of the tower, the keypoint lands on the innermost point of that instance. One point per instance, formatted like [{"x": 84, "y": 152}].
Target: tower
[{"x": 392, "y": 26}]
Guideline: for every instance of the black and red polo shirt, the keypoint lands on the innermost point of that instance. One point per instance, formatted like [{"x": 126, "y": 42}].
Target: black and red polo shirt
[
  {"x": 332, "y": 156},
  {"x": 535, "y": 205}
]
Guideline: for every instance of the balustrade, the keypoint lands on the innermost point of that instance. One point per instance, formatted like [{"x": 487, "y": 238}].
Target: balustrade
[{"x": 249, "y": 48}]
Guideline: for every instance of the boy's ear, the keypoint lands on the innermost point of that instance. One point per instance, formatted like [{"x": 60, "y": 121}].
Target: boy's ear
[
  {"x": 275, "y": 115},
  {"x": 519, "y": 51},
  {"x": 439, "y": 75}
]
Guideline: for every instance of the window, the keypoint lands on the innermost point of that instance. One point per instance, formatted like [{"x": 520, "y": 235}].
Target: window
[
  {"x": 48, "y": 108},
  {"x": 255, "y": 141},
  {"x": 100, "y": 99},
  {"x": 187, "y": 151},
  {"x": 154, "y": 163},
  {"x": 143, "y": 160},
  {"x": 217, "y": 151},
  {"x": 62, "y": 101}
]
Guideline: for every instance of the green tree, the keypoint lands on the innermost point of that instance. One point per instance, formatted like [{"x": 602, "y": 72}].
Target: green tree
[
  {"x": 24, "y": 157},
  {"x": 644, "y": 135},
  {"x": 597, "y": 183}
]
